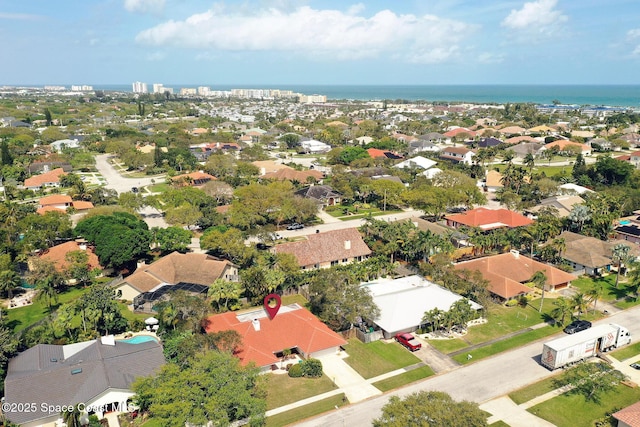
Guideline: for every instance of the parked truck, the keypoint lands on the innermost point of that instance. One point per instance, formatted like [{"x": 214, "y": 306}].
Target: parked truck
[{"x": 583, "y": 345}]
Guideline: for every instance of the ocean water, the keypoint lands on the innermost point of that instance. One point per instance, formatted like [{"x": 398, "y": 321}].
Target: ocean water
[{"x": 595, "y": 95}]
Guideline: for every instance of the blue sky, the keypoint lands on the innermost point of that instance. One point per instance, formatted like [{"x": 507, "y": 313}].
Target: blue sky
[{"x": 274, "y": 42}]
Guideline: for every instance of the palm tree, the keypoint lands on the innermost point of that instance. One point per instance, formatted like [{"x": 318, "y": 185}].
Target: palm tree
[
  {"x": 71, "y": 417},
  {"x": 562, "y": 308},
  {"x": 634, "y": 278},
  {"x": 579, "y": 215},
  {"x": 47, "y": 292},
  {"x": 9, "y": 280},
  {"x": 580, "y": 303},
  {"x": 539, "y": 279},
  {"x": 620, "y": 255},
  {"x": 594, "y": 293},
  {"x": 530, "y": 162}
]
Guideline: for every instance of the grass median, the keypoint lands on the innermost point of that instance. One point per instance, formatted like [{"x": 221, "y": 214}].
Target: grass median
[
  {"x": 403, "y": 379},
  {"x": 306, "y": 411}
]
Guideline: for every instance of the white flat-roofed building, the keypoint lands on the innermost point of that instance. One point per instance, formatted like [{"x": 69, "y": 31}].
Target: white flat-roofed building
[
  {"x": 139, "y": 87},
  {"x": 403, "y": 302}
]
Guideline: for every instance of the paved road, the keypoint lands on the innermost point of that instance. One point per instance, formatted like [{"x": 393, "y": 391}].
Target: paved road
[
  {"x": 118, "y": 182},
  {"x": 478, "y": 382}
]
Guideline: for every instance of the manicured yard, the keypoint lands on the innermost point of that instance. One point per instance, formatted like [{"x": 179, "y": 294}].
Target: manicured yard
[
  {"x": 571, "y": 410},
  {"x": 499, "y": 423},
  {"x": 506, "y": 344},
  {"x": 306, "y": 411},
  {"x": 282, "y": 389},
  {"x": 20, "y": 318},
  {"x": 448, "y": 346},
  {"x": 293, "y": 299},
  {"x": 584, "y": 283},
  {"x": 346, "y": 212},
  {"x": 532, "y": 391},
  {"x": 159, "y": 188},
  {"x": 626, "y": 352},
  {"x": 377, "y": 358},
  {"x": 403, "y": 379}
]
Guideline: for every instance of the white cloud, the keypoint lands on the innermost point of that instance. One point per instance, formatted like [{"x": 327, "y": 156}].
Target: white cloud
[
  {"x": 538, "y": 16},
  {"x": 633, "y": 34},
  {"x": 144, "y": 6},
  {"x": 636, "y": 51},
  {"x": 490, "y": 58},
  {"x": 316, "y": 33}
]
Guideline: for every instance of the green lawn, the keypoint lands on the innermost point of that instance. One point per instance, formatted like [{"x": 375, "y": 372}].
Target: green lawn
[
  {"x": 571, "y": 410},
  {"x": 282, "y": 389},
  {"x": 584, "y": 283},
  {"x": 159, "y": 188},
  {"x": 532, "y": 391},
  {"x": 626, "y": 352},
  {"x": 448, "y": 346},
  {"x": 20, "y": 318},
  {"x": 306, "y": 411},
  {"x": 295, "y": 298},
  {"x": 503, "y": 320},
  {"x": 499, "y": 423},
  {"x": 345, "y": 212},
  {"x": 403, "y": 379},
  {"x": 378, "y": 357},
  {"x": 506, "y": 344}
]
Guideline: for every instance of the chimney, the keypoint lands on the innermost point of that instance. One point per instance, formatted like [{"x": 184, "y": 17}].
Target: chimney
[
  {"x": 347, "y": 245},
  {"x": 256, "y": 324},
  {"x": 515, "y": 253}
]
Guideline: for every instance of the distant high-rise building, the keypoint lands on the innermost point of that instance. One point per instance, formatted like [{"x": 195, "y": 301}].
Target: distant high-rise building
[
  {"x": 81, "y": 88},
  {"x": 139, "y": 87},
  {"x": 158, "y": 88}
]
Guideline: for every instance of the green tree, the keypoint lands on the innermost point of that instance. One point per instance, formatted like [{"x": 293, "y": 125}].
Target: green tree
[
  {"x": 222, "y": 290},
  {"x": 71, "y": 416},
  {"x": 591, "y": 380},
  {"x": 594, "y": 293},
  {"x": 212, "y": 388},
  {"x": 620, "y": 254},
  {"x": 430, "y": 409},
  {"x": 562, "y": 308},
  {"x": 338, "y": 302},
  {"x": 539, "y": 280},
  {"x": 172, "y": 238},
  {"x": 580, "y": 303}
]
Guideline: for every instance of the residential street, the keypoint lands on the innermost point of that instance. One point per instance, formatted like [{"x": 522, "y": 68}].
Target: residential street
[
  {"x": 115, "y": 180},
  {"x": 479, "y": 382}
]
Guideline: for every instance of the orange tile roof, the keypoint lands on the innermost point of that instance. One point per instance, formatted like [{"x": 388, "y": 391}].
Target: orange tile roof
[
  {"x": 56, "y": 254},
  {"x": 564, "y": 143},
  {"x": 44, "y": 178},
  {"x": 326, "y": 247},
  {"x": 375, "y": 152},
  {"x": 488, "y": 219},
  {"x": 630, "y": 415},
  {"x": 506, "y": 273},
  {"x": 294, "y": 326},
  {"x": 458, "y": 131},
  {"x": 194, "y": 176},
  {"x": 46, "y": 209},
  {"x": 56, "y": 199},
  {"x": 81, "y": 205}
]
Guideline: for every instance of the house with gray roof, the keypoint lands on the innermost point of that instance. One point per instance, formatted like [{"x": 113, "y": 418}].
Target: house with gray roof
[
  {"x": 97, "y": 373},
  {"x": 323, "y": 195}
]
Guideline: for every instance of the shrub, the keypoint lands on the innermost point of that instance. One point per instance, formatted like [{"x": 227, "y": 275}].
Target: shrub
[
  {"x": 511, "y": 303},
  {"x": 296, "y": 371},
  {"x": 311, "y": 368}
]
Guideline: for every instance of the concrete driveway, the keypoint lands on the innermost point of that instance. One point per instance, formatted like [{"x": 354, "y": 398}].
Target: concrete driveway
[{"x": 116, "y": 181}]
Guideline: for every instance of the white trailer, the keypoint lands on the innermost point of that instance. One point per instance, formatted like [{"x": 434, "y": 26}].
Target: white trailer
[{"x": 583, "y": 345}]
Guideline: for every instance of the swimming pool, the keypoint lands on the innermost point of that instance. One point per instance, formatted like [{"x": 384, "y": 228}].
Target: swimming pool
[
  {"x": 625, "y": 222},
  {"x": 139, "y": 339}
]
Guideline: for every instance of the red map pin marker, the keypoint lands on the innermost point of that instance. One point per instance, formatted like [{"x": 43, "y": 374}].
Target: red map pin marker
[{"x": 272, "y": 304}]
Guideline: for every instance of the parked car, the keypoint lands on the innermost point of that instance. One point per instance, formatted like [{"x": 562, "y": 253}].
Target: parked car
[
  {"x": 409, "y": 341},
  {"x": 295, "y": 226},
  {"x": 134, "y": 189},
  {"x": 635, "y": 366},
  {"x": 577, "y": 326}
]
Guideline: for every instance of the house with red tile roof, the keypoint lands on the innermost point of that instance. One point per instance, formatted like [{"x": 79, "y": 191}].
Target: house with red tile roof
[
  {"x": 264, "y": 339},
  {"x": 629, "y": 416},
  {"x": 47, "y": 179},
  {"x": 563, "y": 145},
  {"x": 376, "y": 153},
  {"x": 457, "y": 155},
  {"x": 58, "y": 255},
  {"x": 507, "y": 274},
  {"x": 322, "y": 250},
  {"x": 460, "y": 133},
  {"x": 60, "y": 203},
  {"x": 488, "y": 219},
  {"x": 194, "y": 179},
  {"x": 190, "y": 272}
]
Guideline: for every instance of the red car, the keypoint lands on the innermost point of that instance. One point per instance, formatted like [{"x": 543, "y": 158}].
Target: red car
[{"x": 409, "y": 341}]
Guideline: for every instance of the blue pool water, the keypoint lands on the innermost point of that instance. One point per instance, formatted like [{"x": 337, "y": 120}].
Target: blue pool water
[
  {"x": 139, "y": 339},
  {"x": 625, "y": 222}
]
